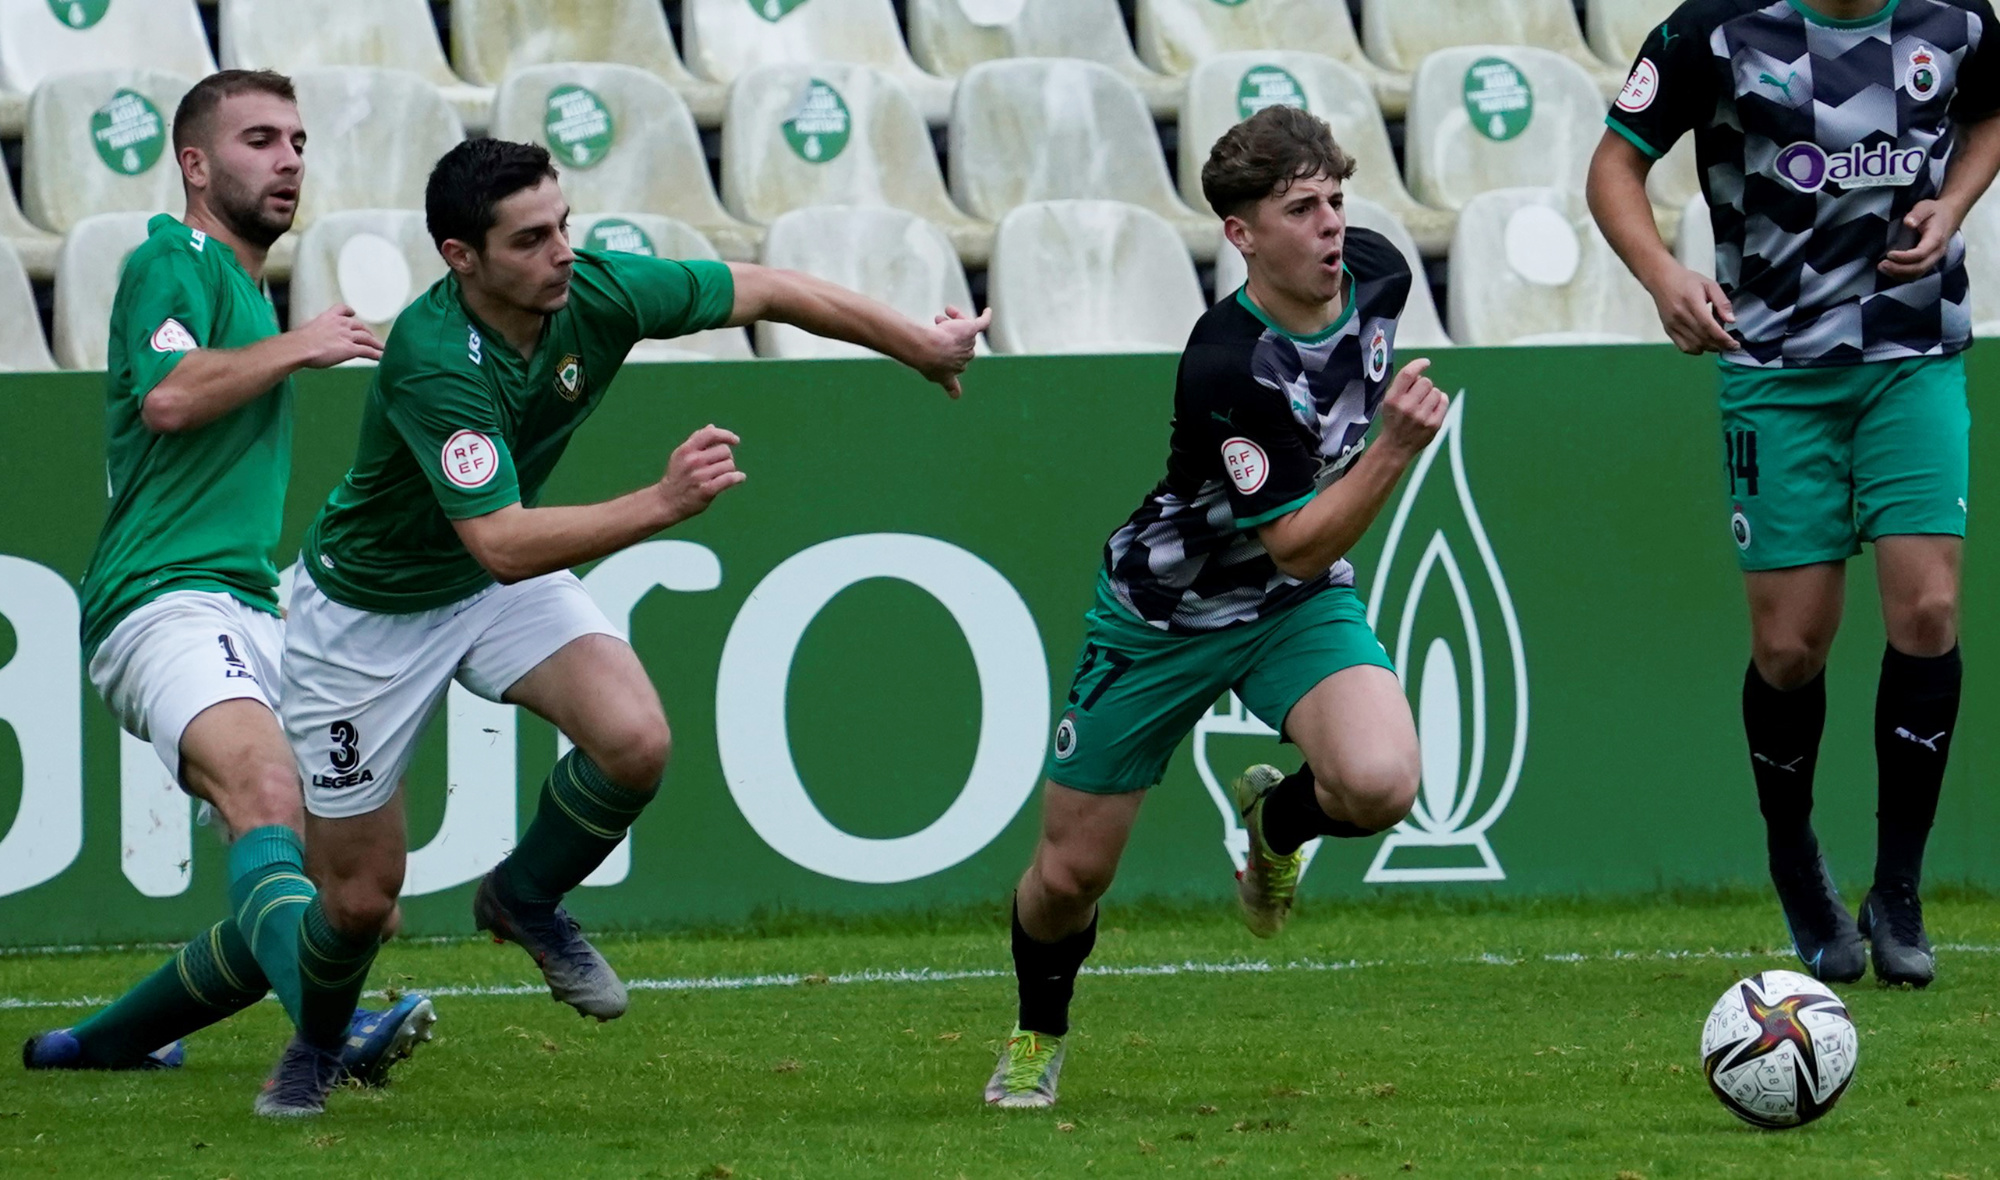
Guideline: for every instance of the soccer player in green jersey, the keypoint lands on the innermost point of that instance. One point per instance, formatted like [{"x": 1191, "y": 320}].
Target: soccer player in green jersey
[
  {"x": 435, "y": 561},
  {"x": 180, "y": 601},
  {"x": 1232, "y": 575},
  {"x": 1841, "y": 144}
]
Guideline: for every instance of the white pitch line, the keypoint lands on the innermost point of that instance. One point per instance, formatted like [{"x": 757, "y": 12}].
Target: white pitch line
[{"x": 707, "y": 983}]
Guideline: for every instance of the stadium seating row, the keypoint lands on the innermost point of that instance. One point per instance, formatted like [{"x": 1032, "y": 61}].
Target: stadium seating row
[
  {"x": 1076, "y": 276},
  {"x": 1022, "y": 129},
  {"x": 725, "y": 39}
]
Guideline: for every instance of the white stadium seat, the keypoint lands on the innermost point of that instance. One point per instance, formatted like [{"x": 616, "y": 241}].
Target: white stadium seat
[
  {"x": 833, "y": 134},
  {"x": 1619, "y": 27},
  {"x": 1695, "y": 244},
  {"x": 372, "y": 138},
  {"x": 22, "y": 349},
  {"x": 1539, "y": 119},
  {"x": 1090, "y": 277},
  {"x": 1400, "y": 34},
  {"x": 375, "y": 261},
  {"x": 1982, "y": 262},
  {"x": 661, "y": 237},
  {"x": 1042, "y": 129},
  {"x": 887, "y": 254},
  {"x": 40, "y": 39},
  {"x": 623, "y": 140},
  {"x": 1230, "y": 87},
  {"x": 294, "y": 35},
  {"x": 101, "y": 142},
  {"x": 1419, "y": 328},
  {"x": 87, "y": 269},
  {"x": 1175, "y": 36},
  {"x": 950, "y": 37},
  {"x": 492, "y": 38},
  {"x": 728, "y": 38},
  {"x": 1528, "y": 266}
]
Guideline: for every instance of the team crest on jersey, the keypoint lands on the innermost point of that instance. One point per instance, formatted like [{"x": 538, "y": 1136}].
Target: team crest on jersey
[
  {"x": 1246, "y": 463},
  {"x": 1378, "y": 354},
  {"x": 569, "y": 377},
  {"x": 1066, "y": 737},
  {"x": 1921, "y": 76},
  {"x": 1739, "y": 527},
  {"x": 172, "y": 337},
  {"x": 1641, "y": 88},
  {"x": 469, "y": 460}
]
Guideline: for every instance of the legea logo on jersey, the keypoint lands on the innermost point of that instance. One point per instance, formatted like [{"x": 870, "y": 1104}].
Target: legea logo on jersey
[
  {"x": 1809, "y": 168},
  {"x": 1448, "y": 623}
]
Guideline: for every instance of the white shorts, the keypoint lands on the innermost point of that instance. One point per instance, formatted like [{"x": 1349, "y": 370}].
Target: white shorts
[
  {"x": 359, "y": 686},
  {"x": 178, "y": 655}
]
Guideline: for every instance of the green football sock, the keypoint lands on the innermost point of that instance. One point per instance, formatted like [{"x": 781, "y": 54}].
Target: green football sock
[
  {"x": 212, "y": 977},
  {"x": 581, "y": 818},
  {"x": 268, "y": 890},
  {"x": 332, "y": 968}
]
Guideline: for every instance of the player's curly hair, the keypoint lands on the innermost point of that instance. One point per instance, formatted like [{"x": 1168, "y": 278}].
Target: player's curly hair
[
  {"x": 1265, "y": 154},
  {"x": 474, "y": 177}
]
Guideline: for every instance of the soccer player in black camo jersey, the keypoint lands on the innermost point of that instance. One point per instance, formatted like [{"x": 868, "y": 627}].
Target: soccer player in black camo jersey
[
  {"x": 1841, "y": 144},
  {"x": 1231, "y": 575}
]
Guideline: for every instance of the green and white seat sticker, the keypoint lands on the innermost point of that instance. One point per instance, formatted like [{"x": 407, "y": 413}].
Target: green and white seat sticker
[
  {"x": 819, "y": 125},
  {"x": 1498, "y": 98},
  {"x": 775, "y": 10},
  {"x": 128, "y": 133},
  {"x": 615, "y": 235},
  {"x": 578, "y": 127},
  {"x": 79, "y": 14},
  {"x": 1268, "y": 86}
]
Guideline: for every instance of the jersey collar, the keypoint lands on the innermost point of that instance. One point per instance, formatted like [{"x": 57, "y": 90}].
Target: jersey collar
[
  {"x": 486, "y": 332},
  {"x": 1321, "y": 337},
  {"x": 207, "y": 242},
  {"x": 1820, "y": 18}
]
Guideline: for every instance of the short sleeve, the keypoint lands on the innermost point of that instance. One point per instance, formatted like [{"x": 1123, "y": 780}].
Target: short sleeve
[
  {"x": 1672, "y": 87},
  {"x": 171, "y": 313},
  {"x": 1978, "y": 96},
  {"x": 664, "y": 297},
  {"x": 1253, "y": 443},
  {"x": 452, "y": 429}
]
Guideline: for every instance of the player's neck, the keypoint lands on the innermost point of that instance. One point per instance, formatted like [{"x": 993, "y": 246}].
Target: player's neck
[
  {"x": 1847, "y": 9},
  {"x": 1297, "y": 316},
  {"x": 521, "y": 329},
  {"x": 249, "y": 256}
]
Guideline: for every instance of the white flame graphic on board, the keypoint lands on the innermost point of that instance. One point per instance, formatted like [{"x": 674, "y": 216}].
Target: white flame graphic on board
[
  {"x": 1459, "y": 776},
  {"x": 1456, "y": 776}
]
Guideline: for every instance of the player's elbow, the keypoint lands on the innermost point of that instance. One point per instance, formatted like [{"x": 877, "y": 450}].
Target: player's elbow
[
  {"x": 1291, "y": 550},
  {"x": 489, "y": 541},
  {"x": 166, "y": 411}
]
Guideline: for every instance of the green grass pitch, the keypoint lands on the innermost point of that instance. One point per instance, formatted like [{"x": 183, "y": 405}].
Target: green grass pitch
[{"x": 1383, "y": 1039}]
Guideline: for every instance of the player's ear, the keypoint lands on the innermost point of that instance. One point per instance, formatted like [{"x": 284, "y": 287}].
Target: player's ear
[
  {"x": 1238, "y": 232},
  {"x": 459, "y": 256},
  {"x": 194, "y": 167}
]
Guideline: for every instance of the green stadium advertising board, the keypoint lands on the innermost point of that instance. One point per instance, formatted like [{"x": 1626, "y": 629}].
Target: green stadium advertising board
[{"x": 860, "y": 648}]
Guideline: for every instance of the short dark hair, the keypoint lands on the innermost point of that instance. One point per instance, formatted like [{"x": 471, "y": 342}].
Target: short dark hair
[
  {"x": 1265, "y": 154},
  {"x": 198, "y": 105},
  {"x": 474, "y": 177}
]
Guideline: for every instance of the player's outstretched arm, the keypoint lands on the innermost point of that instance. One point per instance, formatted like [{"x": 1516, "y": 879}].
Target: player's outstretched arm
[
  {"x": 1974, "y": 162},
  {"x": 1690, "y": 304},
  {"x": 1306, "y": 543},
  {"x": 517, "y": 542},
  {"x": 940, "y": 350},
  {"x": 210, "y": 382}
]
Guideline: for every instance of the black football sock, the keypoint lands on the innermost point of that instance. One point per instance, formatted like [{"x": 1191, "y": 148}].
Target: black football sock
[
  {"x": 1045, "y": 973},
  {"x": 1784, "y": 729},
  {"x": 1916, "y": 709},
  {"x": 1292, "y": 816}
]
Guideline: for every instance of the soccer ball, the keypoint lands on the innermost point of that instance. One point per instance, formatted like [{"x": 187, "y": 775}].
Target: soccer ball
[{"x": 1778, "y": 1049}]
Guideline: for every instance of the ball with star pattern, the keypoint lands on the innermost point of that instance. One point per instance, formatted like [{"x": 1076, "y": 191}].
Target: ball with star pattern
[{"x": 1778, "y": 1049}]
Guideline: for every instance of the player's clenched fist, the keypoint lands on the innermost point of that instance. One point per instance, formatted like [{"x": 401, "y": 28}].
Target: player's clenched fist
[
  {"x": 950, "y": 343},
  {"x": 1413, "y": 410},
  {"x": 334, "y": 336},
  {"x": 699, "y": 470}
]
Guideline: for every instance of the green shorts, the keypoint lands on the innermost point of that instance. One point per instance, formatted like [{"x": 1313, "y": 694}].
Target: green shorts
[
  {"x": 1819, "y": 460},
  {"x": 1139, "y": 690}
]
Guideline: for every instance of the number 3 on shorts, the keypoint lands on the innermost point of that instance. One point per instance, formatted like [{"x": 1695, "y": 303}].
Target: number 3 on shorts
[
  {"x": 1115, "y": 665},
  {"x": 345, "y": 755}
]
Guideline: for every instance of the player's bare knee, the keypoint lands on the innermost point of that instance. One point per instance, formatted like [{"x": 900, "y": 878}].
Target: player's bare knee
[
  {"x": 1789, "y": 661},
  {"x": 634, "y": 754},
  {"x": 1926, "y": 626},
  {"x": 259, "y": 796},
  {"x": 358, "y": 908},
  {"x": 1378, "y": 795},
  {"x": 1074, "y": 880}
]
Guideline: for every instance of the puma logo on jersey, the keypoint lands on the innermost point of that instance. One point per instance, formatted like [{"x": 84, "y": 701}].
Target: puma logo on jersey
[
  {"x": 1223, "y": 418},
  {"x": 1786, "y": 85},
  {"x": 1668, "y": 36}
]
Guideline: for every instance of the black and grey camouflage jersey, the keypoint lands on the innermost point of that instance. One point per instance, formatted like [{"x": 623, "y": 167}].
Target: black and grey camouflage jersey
[
  {"x": 1815, "y": 137},
  {"x": 1263, "y": 421}
]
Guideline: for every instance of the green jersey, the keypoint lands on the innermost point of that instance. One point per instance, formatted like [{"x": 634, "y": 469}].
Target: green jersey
[
  {"x": 458, "y": 425},
  {"x": 200, "y": 509}
]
